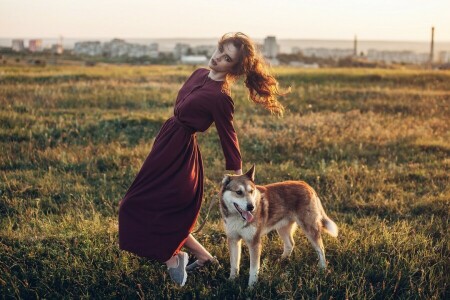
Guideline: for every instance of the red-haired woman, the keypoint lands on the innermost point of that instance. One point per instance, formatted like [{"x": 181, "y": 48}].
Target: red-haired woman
[{"x": 159, "y": 210}]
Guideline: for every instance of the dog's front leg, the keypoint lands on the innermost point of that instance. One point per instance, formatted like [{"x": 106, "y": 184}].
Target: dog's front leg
[
  {"x": 234, "y": 244},
  {"x": 255, "y": 256}
]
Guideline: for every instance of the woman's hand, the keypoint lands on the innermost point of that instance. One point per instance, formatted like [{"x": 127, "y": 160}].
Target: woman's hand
[{"x": 238, "y": 172}]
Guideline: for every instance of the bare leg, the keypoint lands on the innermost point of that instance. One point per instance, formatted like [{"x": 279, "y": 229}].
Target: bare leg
[{"x": 197, "y": 250}]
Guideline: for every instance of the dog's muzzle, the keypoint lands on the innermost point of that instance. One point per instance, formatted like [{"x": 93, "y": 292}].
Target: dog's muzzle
[{"x": 246, "y": 215}]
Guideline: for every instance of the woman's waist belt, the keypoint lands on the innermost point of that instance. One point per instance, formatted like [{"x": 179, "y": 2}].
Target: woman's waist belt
[{"x": 188, "y": 129}]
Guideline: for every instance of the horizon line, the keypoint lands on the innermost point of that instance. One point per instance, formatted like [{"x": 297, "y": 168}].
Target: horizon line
[{"x": 253, "y": 38}]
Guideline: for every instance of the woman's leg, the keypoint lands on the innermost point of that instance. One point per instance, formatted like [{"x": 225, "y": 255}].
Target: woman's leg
[{"x": 197, "y": 249}]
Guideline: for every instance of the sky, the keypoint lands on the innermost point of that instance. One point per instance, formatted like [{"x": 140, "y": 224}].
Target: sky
[{"x": 386, "y": 20}]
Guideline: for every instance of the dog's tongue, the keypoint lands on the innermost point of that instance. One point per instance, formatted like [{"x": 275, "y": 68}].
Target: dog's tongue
[{"x": 247, "y": 215}]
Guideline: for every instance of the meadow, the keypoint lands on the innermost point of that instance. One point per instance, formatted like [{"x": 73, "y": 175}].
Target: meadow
[{"x": 374, "y": 143}]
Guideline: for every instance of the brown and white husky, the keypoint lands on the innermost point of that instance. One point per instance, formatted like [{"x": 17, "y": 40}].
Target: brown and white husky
[{"x": 250, "y": 211}]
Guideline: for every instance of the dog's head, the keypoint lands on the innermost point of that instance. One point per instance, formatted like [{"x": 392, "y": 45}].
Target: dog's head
[{"x": 239, "y": 195}]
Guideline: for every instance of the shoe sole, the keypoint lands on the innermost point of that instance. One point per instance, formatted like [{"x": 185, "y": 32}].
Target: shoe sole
[{"x": 185, "y": 262}]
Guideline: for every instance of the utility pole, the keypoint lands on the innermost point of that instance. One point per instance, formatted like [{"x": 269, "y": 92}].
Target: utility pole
[
  {"x": 432, "y": 47},
  {"x": 355, "y": 46}
]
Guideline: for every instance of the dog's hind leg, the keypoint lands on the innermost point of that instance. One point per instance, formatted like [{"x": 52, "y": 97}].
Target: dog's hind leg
[
  {"x": 286, "y": 233},
  {"x": 235, "y": 256},
  {"x": 314, "y": 236}
]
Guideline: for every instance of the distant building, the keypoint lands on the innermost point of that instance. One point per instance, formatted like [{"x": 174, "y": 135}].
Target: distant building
[
  {"x": 324, "y": 52},
  {"x": 35, "y": 45},
  {"x": 136, "y": 50},
  {"x": 116, "y": 48},
  {"x": 204, "y": 50},
  {"x": 154, "y": 47},
  {"x": 180, "y": 50},
  {"x": 303, "y": 65},
  {"x": 153, "y": 50},
  {"x": 194, "y": 59},
  {"x": 88, "y": 48},
  {"x": 444, "y": 57},
  {"x": 398, "y": 56},
  {"x": 57, "y": 49},
  {"x": 271, "y": 48},
  {"x": 17, "y": 45}
]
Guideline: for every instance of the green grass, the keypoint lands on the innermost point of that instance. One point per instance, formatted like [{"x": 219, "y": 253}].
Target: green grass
[{"x": 373, "y": 143}]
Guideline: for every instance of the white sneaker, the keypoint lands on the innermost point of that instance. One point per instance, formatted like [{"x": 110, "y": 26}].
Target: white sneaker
[{"x": 178, "y": 274}]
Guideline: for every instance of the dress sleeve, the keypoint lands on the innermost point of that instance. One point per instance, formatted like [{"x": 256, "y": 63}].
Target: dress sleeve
[{"x": 223, "y": 119}]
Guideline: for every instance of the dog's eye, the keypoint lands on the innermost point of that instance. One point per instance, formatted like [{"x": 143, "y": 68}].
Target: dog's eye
[{"x": 239, "y": 192}]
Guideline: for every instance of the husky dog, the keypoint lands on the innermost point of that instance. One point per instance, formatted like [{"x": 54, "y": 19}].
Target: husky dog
[{"x": 250, "y": 211}]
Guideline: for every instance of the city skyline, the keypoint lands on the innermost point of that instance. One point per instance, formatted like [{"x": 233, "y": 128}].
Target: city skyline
[{"x": 321, "y": 20}]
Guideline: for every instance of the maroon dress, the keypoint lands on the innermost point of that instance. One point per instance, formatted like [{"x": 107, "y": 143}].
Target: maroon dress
[{"x": 160, "y": 208}]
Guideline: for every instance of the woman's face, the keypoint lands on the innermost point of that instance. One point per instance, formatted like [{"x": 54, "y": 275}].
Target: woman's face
[{"x": 224, "y": 58}]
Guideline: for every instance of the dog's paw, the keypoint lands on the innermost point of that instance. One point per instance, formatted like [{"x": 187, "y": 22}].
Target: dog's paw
[
  {"x": 282, "y": 261},
  {"x": 251, "y": 284}
]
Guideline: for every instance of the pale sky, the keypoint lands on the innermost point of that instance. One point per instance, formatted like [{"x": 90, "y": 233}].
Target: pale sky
[{"x": 397, "y": 20}]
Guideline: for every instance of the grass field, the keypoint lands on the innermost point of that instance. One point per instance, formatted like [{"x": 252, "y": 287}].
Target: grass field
[{"x": 375, "y": 144}]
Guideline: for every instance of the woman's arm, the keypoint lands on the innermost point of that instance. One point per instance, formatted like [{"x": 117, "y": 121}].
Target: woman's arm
[{"x": 223, "y": 111}]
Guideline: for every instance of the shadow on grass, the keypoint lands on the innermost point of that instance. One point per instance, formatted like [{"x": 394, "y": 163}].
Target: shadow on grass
[
  {"x": 21, "y": 79},
  {"x": 401, "y": 151},
  {"x": 123, "y": 130},
  {"x": 426, "y": 81},
  {"x": 93, "y": 266}
]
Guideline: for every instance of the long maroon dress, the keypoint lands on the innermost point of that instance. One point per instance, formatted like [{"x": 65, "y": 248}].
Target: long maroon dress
[{"x": 160, "y": 208}]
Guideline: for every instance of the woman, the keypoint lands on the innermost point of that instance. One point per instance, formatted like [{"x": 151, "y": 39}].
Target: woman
[{"x": 159, "y": 210}]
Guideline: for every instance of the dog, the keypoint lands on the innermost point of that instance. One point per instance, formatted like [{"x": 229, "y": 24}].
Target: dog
[{"x": 250, "y": 211}]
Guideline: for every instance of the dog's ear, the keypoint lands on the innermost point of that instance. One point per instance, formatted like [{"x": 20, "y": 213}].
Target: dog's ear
[
  {"x": 226, "y": 180},
  {"x": 251, "y": 173}
]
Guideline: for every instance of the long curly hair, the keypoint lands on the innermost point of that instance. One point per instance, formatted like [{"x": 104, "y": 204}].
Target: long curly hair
[{"x": 262, "y": 86}]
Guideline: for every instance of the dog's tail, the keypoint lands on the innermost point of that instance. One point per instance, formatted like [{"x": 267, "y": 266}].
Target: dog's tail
[{"x": 328, "y": 225}]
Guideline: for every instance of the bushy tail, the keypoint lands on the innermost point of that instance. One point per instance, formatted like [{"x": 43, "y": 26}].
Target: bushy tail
[{"x": 328, "y": 225}]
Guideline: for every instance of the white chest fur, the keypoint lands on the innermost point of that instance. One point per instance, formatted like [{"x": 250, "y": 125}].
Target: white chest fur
[{"x": 236, "y": 227}]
